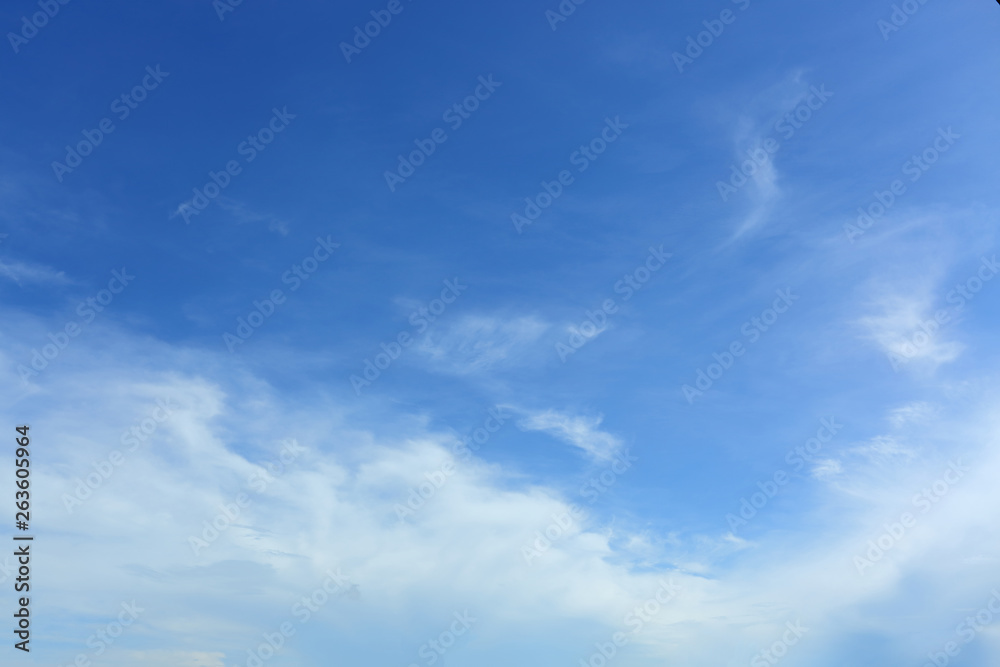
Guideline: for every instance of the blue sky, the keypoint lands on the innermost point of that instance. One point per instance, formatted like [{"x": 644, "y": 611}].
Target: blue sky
[{"x": 651, "y": 344}]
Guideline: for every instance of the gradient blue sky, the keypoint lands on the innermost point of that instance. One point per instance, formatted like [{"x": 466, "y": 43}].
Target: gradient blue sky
[{"x": 849, "y": 348}]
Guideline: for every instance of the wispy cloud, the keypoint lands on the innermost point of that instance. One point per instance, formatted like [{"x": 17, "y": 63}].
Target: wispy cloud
[
  {"x": 581, "y": 432},
  {"x": 768, "y": 119},
  {"x": 462, "y": 548},
  {"x": 899, "y": 327},
  {"x": 247, "y": 215},
  {"x": 477, "y": 343},
  {"x": 24, "y": 273}
]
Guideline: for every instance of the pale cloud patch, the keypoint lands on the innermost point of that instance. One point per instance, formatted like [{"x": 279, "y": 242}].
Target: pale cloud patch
[
  {"x": 912, "y": 413},
  {"x": 905, "y": 329},
  {"x": 30, "y": 273},
  {"x": 581, "y": 432},
  {"x": 247, "y": 215},
  {"x": 333, "y": 507},
  {"x": 827, "y": 468},
  {"x": 477, "y": 343},
  {"x": 758, "y": 123},
  {"x": 884, "y": 449}
]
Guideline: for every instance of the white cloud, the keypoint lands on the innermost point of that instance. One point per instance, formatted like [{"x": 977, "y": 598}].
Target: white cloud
[
  {"x": 333, "y": 507},
  {"x": 904, "y": 328},
  {"x": 826, "y": 468},
  {"x": 916, "y": 412},
  {"x": 28, "y": 272},
  {"x": 581, "y": 432},
  {"x": 756, "y": 124}
]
